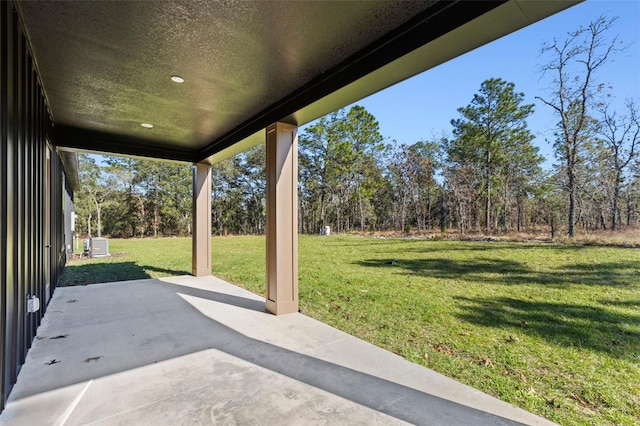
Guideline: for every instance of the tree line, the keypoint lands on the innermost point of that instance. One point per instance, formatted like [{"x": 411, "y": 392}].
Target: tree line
[{"x": 485, "y": 176}]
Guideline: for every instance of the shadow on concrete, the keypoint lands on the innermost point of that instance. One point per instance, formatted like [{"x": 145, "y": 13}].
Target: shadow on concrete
[{"x": 151, "y": 321}]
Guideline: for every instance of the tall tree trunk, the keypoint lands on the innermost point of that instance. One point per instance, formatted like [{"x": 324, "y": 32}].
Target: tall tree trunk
[
  {"x": 505, "y": 210},
  {"x": 361, "y": 211},
  {"x": 520, "y": 213},
  {"x": 616, "y": 196},
  {"x": 461, "y": 215},
  {"x": 443, "y": 213},
  {"x": 403, "y": 212},
  {"x": 629, "y": 206},
  {"x": 155, "y": 220},
  {"x": 428, "y": 222},
  {"x": 323, "y": 211},
  {"x": 99, "y": 224},
  {"x": 487, "y": 206},
  {"x": 141, "y": 218},
  {"x": 572, "y": 199}
]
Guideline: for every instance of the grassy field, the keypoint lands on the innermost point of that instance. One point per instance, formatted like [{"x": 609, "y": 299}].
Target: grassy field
[{"x": 554, "y": 329}]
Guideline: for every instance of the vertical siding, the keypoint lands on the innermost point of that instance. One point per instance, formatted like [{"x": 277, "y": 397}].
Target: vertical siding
[
  {"x": 58, "y": 257},
  {"x": 3, "y": 190},
  {"x": 25, "y": 260}
]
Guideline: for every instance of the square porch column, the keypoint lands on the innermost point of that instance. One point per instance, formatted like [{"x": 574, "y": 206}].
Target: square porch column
[
  {"x": 282, "y": 218},
  {"x": 201, "y": 218}
]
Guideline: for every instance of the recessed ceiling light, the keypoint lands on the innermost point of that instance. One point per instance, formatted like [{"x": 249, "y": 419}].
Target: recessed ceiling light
[
  {"x": 147, "y": 125},
  {"x": 177, "y": 79}
]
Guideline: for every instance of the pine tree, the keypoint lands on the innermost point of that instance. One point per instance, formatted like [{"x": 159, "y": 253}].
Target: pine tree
[{"x": 492, "y": 136}]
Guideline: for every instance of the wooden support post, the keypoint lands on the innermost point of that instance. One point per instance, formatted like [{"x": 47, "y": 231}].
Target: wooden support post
[
  {"x": 201, "y": 216},
  {"x": 282, "y": 218}
]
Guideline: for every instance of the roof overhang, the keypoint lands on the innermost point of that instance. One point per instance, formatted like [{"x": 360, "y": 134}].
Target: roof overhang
[
  {"x": 105, "y": 66},
  {"x": 69, "y": 160}
]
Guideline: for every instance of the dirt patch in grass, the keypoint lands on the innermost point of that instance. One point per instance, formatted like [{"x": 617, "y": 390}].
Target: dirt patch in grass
[
  {"x": 81, "y": 257},
  {"x": 628, "y": 238}
]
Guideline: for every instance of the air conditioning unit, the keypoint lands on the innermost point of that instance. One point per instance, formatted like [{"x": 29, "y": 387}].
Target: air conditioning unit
[{"x": 99, "y": 247}]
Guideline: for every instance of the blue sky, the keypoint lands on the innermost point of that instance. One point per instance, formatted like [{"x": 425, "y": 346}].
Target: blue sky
[{"x": 424, "y": 105}]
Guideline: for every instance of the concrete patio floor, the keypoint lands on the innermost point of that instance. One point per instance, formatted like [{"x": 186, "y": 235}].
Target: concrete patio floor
[{"x": 186, "y": 350}]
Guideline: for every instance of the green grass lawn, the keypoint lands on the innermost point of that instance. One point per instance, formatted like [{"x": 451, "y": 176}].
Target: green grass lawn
[{"x": 554, "y": 329}]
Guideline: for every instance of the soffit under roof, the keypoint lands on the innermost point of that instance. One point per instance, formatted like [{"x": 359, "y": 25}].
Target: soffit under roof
[{"x": 106, "y": 65}]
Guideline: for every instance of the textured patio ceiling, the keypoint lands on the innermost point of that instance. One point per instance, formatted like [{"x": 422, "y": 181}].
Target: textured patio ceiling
[{"x": 106, "y": 66}]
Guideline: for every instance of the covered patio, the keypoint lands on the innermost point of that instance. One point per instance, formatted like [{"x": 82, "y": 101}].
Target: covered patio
[
  {"x": 198, "y": 82},
  {"x": 187, "y": 350}
]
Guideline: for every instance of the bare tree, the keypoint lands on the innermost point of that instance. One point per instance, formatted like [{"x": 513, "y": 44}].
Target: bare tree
[
  {"x": 573, "y": 64},
  {"x": 621, "y": 138}
]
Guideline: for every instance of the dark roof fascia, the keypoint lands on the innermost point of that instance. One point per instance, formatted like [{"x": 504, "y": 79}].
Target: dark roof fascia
[
  {"x": 437, "y": 20},
  {"x": 73, "y": 138}
]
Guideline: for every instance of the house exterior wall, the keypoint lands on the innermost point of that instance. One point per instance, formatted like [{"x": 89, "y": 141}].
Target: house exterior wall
[
  {"x": 69, "y": 210},
  {"x": 32, "y": 245}
]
